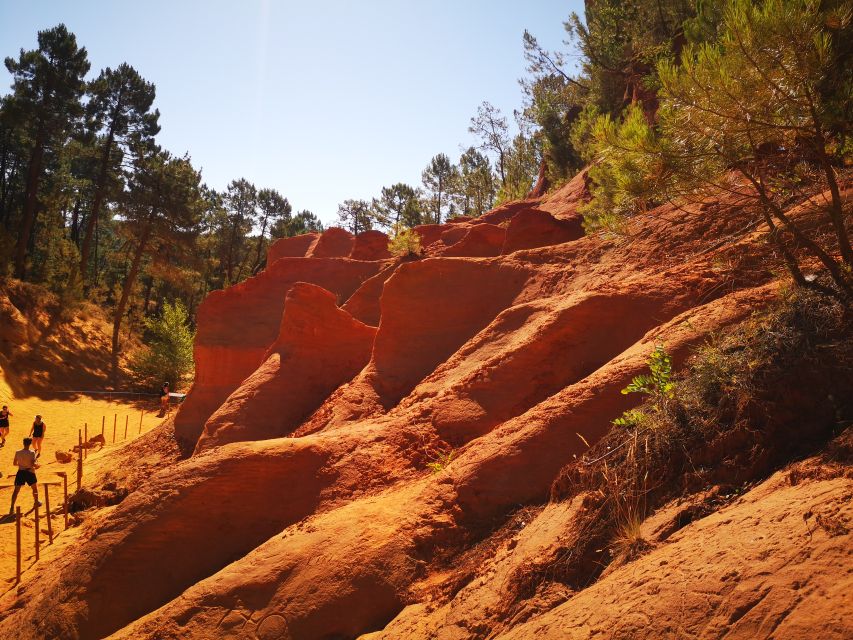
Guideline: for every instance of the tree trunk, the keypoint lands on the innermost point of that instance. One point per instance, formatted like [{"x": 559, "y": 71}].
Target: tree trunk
[
  {"x": 438, "y": 208},
  {"x": 541, "y": 186},
  {"x": 836, "y": 211},
  {"x": 129, "y": 281},
  {"x": 4, "y": 153},
  {"x": 148, "y": 289},
  {"x": 789, "y": 258},
  {"x": 29, "y": 216},
  {"x": 260, "y": 247},
  {"x": 8, "y": 193},
  {"x": 828, "y": 261},
  {"x": 96, "y": 204},
  {"x": 229, "y": 264},
  {"x": 75, "y": 223}
]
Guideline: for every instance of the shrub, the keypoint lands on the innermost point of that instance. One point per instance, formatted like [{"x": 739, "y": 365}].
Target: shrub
[
  {"x": 168, "y": 352},
  {"x": 405, "y": 242},
  {"x": 769, "y": 391}
]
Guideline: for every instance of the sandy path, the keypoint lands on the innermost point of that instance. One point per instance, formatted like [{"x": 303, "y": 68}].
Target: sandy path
[{"x": 63, "y": 416}]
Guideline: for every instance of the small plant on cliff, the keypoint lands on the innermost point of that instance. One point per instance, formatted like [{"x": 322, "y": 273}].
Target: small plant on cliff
[
  {"x": 657, "y": 383},
  {"x": 440, "y": 459},
  {"x": 168, "y": 353},
  {"x": 405, "y": 242}
]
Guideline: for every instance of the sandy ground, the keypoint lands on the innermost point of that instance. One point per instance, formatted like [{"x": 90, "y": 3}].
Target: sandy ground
[{"x": 63, "y": 417}]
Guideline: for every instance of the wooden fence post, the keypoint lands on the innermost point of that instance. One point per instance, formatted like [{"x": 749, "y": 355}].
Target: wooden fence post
[
  {"x": 141, "y": 413},
  {"x": 114, "y": 431},
  {"x": 18, "y": 543},
  {"x": 126, "y": 421},
  {"x": 80, "y": 460},
  {"x": 103, "y": 421},
  {"x": 64, "y": 495},
  {"x": 47, "y": 513},
  {"x": 86, "y": 437},
  {"x": 36, "y": 508}
]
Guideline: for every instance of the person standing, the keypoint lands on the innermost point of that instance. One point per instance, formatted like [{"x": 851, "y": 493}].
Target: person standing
[
  {"x": 25, "y": 460},
  {"x": 164, "y": 398},
  {"x": 37, "y": 434},
  {"x": 4, "y": 424}
]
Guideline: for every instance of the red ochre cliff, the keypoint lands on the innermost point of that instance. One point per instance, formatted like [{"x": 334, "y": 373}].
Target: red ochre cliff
[{"x": 304, "y": 507}]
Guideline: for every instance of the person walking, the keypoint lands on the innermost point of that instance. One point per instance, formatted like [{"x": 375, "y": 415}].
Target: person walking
[
  {"x": 164, "y": 398},
  {"x": 37, "y": 434},
  {"x": 4, "y": 424},
  {"x": 25, "y": 460}
]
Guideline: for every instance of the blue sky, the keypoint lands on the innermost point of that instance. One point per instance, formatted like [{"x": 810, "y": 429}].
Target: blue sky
[{"x": 322, "y": 100}]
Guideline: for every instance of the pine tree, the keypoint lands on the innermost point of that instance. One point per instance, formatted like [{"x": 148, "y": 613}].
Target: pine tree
[
  {"x": 399, "y": 204},
  {"x": 476, "y": 182},
  {"x": 272, "y": 208},
  {"x": 240, "y": 208},
  {"x": 47, "y": 87},
  {"x": 491, "y": 127},
  {"x": 163, "y": 207},
  {"x": 436, "y": 179},
  {"x": 355, "y": 216},
  {"x": 119, "y": 111}
]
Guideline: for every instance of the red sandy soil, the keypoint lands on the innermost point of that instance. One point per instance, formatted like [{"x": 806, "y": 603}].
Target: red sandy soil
[{"x": 305, "y": 506}]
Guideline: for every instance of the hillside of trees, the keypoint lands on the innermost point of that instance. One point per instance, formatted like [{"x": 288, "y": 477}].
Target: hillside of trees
[{"x": 91, "y": 207}]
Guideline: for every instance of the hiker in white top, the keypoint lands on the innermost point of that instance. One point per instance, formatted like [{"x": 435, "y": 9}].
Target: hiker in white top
[{"x": 25, "y": 460}]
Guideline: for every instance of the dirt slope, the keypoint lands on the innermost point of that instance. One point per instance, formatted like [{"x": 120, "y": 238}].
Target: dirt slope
[{"x": 508, "y": 343}]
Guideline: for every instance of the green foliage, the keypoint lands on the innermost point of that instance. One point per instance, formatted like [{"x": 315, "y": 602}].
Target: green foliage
[
  {"x": 522, "y": 166},
  {"x": 475, "y": 187},
  {"x": 767, "y": 101},
  {"x": 168, "y": 352},
  {"x": 441, "y": 459},
  {"x": 629, "y": 165},
  {"x": 404, "y": 242},
  {"x": 631, "y": 418},
  {"x": 437, "y": 179},
  {"x": 658, "y": 384},
  {"x": 45, "y": 107},
  {"x": 398, "y": 204},
  {"x": 356, "y": 216},
  {"x": 552, "y": 101},
  {"x": 302, "y": 222},
  {"x": 620, "y": 42}
]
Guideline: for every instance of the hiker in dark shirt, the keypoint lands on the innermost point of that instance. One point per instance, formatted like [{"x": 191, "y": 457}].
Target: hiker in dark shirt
[
  {"x": 25, "y": 460},
  {"x": 4, "y": 424},
  {"x": 37, "y": 432}
]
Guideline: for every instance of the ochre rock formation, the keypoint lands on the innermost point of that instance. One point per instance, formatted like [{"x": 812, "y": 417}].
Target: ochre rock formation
[
  {"x": 332, "y": 243},
  {"x": 295, "y": 247},
  {"x": 364, "y": 303},
  {"x": 326, "y": 389},
  {"x": 430, "y": 233},
  {"x": 531, "y": 228},
  {"x": 319, "y": 346},
  {"x": 237, "y": 326},
  {"x": 370, "y": 245},
  {"x": 480, "y": 240}
]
